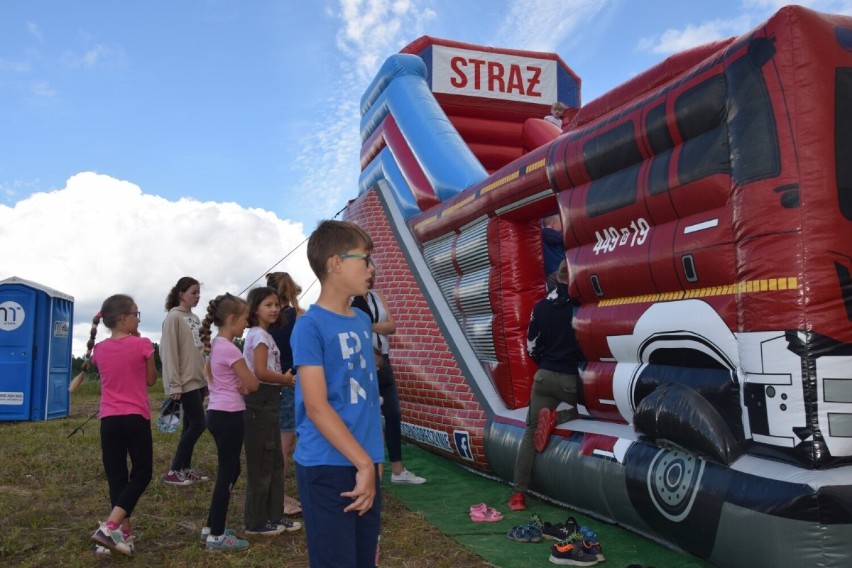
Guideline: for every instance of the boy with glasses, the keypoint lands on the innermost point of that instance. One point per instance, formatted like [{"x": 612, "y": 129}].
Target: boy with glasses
[{"x": 338, "y": 415}]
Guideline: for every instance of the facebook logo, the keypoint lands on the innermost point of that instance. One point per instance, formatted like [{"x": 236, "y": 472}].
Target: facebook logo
[{"x": 462, "y": 439}]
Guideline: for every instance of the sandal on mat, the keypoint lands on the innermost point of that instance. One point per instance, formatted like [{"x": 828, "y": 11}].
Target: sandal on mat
[
  {"x": 481, "y": 513},
  {"x": 524, "y": 533}
]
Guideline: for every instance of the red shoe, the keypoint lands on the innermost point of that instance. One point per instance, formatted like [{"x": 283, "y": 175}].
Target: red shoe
[
  {"x": 517, "y": 502},
  {"x": 546, "y": 425}
]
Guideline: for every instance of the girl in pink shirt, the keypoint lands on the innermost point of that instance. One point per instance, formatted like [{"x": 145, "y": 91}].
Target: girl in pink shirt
[
  {"x": 126, "y": 366},
  {"x": 229, "y": 379}
]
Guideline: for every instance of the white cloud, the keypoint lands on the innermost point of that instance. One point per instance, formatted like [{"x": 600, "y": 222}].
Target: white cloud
[
  {"x": 100, "y": 236},
  {"x": 100, "y": 55},
  {"x": 554, "y": 22},
  {"x": 374, "y": 29},
  {"x": 673, "y": 41},
  {"x": 42, "y": 89},
  {"x": 35, "y": 31},
  {"x": 370, "y": 31},
  {"x": 751, "y": 14},
  {"x": 775, "y": 5},
  {"x": 14, "y": 66},
  {"x": 10, "y": 189}
]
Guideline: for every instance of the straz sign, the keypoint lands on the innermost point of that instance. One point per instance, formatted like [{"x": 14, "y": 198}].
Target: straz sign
[{"x": 501, "y": 76}]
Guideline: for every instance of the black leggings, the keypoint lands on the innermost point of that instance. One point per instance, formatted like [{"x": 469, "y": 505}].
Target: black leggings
[
  {"x": 227, "y": 430},
  {"x": 193, "y": 428},
  {"x": 121, "y": 436}
]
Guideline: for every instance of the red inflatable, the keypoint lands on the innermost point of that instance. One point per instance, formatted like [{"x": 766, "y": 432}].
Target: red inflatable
[{"x": 707, "y": 215}]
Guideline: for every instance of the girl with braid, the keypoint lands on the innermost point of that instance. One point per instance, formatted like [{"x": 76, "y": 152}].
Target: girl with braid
[
  {"x": 229, "y": 380},
  {"x": 125, "y": 363}
]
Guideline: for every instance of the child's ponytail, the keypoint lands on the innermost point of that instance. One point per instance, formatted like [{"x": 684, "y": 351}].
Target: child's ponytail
[
  {"x": 204, "y": 334},
  {"x": 78, "y": 380}
]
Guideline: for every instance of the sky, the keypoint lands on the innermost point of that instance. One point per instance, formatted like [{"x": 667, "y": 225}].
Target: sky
[{"x": 144, "y": 141}]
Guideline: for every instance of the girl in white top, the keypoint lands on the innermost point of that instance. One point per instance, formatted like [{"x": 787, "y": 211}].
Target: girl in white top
[{"x": 264, "y": 512}]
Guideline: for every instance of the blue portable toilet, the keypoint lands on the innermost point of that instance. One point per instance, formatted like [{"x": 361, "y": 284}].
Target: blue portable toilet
[{"x": 35, "y": 350}]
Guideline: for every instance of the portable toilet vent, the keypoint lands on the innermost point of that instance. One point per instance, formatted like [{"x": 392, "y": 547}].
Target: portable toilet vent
[{"x": 35, "y": 350}]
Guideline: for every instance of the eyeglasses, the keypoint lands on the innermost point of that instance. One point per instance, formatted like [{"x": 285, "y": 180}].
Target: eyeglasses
[
  {"x": 137, "y": 314},
  {"x": 368, "y": 259}
]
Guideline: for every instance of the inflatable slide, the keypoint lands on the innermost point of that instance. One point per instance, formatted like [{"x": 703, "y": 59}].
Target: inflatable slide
[{"x": 706, "y": 207}]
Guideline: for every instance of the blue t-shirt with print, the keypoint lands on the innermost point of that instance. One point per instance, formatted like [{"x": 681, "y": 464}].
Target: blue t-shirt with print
[{"x": 342, "y": 346}]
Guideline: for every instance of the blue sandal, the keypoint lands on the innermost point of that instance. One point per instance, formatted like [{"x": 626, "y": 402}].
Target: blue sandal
[
  {"x": 524, "y": 533},
  {"x": 535, "y": 533},
  {"x": 520, "y": 533}
]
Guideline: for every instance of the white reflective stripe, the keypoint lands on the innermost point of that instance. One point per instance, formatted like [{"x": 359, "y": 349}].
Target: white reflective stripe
[{"x": 700, "y": 226}]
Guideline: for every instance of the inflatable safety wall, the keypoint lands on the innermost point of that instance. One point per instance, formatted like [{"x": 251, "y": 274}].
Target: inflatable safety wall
[{"x": 707, "y": 221}]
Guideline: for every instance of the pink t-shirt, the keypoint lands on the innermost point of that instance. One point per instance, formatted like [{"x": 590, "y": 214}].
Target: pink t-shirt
[
  {"x": 123, "y": 367},
  {"x": 224, "y": 393}
]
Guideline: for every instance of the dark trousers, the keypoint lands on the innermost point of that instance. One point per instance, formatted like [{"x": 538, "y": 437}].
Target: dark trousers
[
  {"x": 123, "y": 436},
  {"x": 337, "y": 539},
  {"x": 548, "y": 390},
  {"x": 193, "y": 428},
  {"x": 264, "y": 461},
  {"x": 392, "y": 413},
  {"x": 227, "y": 430}
]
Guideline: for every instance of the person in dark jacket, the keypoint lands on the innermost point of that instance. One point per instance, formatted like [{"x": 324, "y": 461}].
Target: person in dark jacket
[
  {"x": 553, "y": 250},
  {"x": 552, "y": 345}
]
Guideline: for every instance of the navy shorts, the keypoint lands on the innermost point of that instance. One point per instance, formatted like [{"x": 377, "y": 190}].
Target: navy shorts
[{"x": 287, "y": 415}]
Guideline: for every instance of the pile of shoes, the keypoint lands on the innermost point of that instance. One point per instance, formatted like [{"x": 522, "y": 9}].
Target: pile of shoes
[{"x": 576, "y": 545}]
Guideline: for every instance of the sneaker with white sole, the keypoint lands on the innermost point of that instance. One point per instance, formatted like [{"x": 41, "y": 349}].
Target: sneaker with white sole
[
  {"x": 225, "y": 543},
  {"x": 194, "y": 475},
  {"x": 568, "y": 553},
  {"x": 205, "y": 532},
  {"x": 101, "y": 551},
  {"x": 111, "y": 540},
  {"x": 176, "y": 478},
  {"x": 266, "y": 529},
  {"x": 288, "y": 524},
  {"x": 407, "y": 477}
]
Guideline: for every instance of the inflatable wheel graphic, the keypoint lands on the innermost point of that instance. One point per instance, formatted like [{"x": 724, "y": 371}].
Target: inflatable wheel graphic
[
  {"x": 677, "y": 494},
  {"x": 673, "y": 481}
]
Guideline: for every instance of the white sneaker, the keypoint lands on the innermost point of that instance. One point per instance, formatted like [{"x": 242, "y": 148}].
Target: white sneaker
[
  {"x": 407, "y": 477},
  {"x": 205, "y": 532},
  {"x": 111, "y": 540}
]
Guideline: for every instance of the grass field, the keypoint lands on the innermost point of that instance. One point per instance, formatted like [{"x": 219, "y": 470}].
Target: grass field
[{"x": 53, "y": 492}]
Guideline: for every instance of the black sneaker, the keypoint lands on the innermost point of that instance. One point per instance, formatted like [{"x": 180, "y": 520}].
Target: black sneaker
[
  {"x": 289, "y": 525},
  {"x": 554, "y": 532},
  {"x": 569, "y": 553},
  {"x": 266, "y": 529},
  {"x": 572, "y": 526}
]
